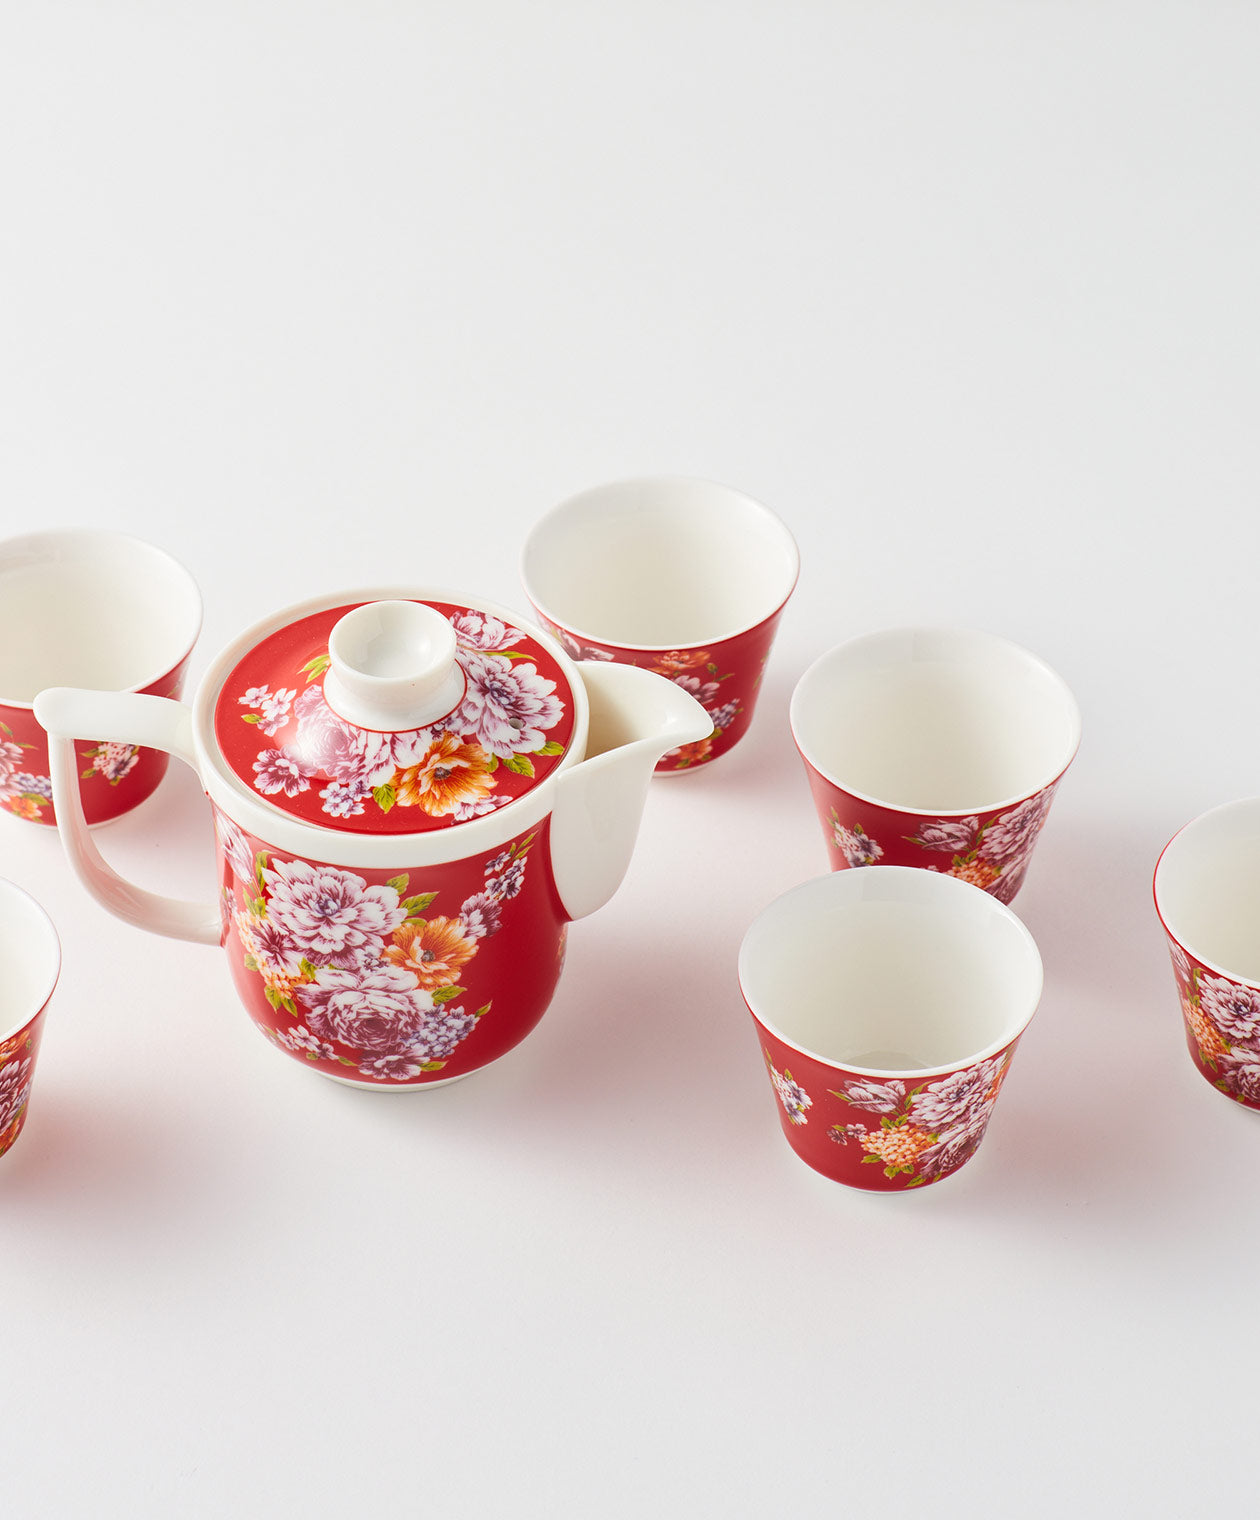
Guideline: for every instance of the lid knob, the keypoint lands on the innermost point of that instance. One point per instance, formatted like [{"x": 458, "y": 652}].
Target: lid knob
[{"x": 392, "y": 667}]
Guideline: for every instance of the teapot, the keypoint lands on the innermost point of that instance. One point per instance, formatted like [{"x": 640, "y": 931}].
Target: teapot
[{"x": 413, "y": 795}]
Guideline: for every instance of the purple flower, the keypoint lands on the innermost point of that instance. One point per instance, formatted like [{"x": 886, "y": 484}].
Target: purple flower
[
  {"x": 15, "y": 1088},
  {"x": 1235, "y": 1010},
  {"x": 478, "y": 808},
  {"x": 508, "y": 882},
  {"x": 114, "y": 761},
  {"x": 236, "y": 849},
  {"x": 1240, "y": 1074},
  {"x": 480, "y": 916},
  {"x": 484, "y": 632},
  {"x": 301, "y": 1040},
  {"x": 955, "y": 836},
  {"x": 724, "y": 716},
  {"x": 843, "y": 1133},
  {"x": 333, "y": 917},
  {"x": 508, "y": 707},
  {"x": 390, "y": 1068},
  {"x": 330, "y": 747},
  {"x": 956, "y": 1100},
  {"x": 858, "y": 849},
  {"x": 878, "y": 1097},
  {"x": 951, "y": 1150},
  {"x": 499, "y": 861},
  {"x": 279, "y": 770},
  {"x": 1012, "y": 835},
  {"x": 34, "y": 786},
  {"x": 442, "y": 1030},
  {"x": 702, "y": 691},
  {"x": 379, "y": 1009},
  {"x": 792, "y": 1095},
  {"x": 345, "y": 801}
]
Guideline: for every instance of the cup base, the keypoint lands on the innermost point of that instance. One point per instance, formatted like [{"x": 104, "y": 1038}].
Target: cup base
[{"x": 401, "y": 1087}]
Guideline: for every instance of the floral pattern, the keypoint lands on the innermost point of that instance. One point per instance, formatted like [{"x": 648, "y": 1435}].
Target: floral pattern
[
  {"x": 703, "y": 674},
  {"x": 993, "y": 853},
  {"x": 478, "y": 758},
  {"x": 792, "y": 1095},
  {"x": 22, "y": 791},
  {"x": 110, "y": 760},
  {"x": 364, "y": 975},
  {"x": 855, "y": 844},
  {"x": 1222, "y": 1020},
  {"x": 924, "y": 1132},
  {"x": 17, "y": 1062}
]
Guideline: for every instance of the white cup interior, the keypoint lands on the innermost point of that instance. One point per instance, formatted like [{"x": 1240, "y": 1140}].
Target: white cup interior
[
  {"x": 84, "y": 607},
  {"x": 935, "y": 720},
  {"x": 1207, "y": 889},
  {"x": 891, "y": 971},
  {"x": 31, "y": 956},
  {"x": 659, "y": 564}
]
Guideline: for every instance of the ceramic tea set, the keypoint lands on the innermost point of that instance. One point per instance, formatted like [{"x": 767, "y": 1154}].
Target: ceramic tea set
[{"x": 415, "y": 791}]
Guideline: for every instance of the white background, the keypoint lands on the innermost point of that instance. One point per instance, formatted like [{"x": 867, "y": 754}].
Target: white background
[{"x": 325, "y": 294}]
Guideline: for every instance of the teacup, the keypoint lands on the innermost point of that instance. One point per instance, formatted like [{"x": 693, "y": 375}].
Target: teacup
[
  {"x": 937, "y": 748},
  {"x": 86, "y": 607},
  {"x": 888, "y": 1004},
  {"x": 683, "y": 577},
  {"x": 31, "y": 955},
  {"x": 1207, "y": 895}
]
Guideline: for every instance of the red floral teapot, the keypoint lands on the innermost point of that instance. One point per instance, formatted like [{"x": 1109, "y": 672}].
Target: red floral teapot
[{"x": 413, "y": 795}]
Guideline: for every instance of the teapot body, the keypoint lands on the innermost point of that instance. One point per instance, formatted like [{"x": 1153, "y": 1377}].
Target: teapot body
[{"x": 390, "y": 978}]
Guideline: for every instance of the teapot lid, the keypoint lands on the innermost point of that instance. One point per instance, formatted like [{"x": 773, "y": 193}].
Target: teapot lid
[{"x": 395, "y": 717}]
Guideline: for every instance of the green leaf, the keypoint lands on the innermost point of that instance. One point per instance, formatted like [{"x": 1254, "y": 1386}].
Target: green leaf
[
  {"x": 433, "y": 1066},
  {"x": 711, "y": 668},
  {"x": 307, "y": 970},
  {"x": 871, "y": 1161},
  {"x": 316, "y": 667},
  {"x": 384, "y": 796},
  {"x": 258, "y": 907},
  {"x": 260, "y": 865},
  {"x": 251, "y": 963},
  {"x": 4, "y": 728},
  {"x": 289, "y": 1006},
  {"x": 524, "y": 845},
  {"x": 482, "y": 1011},
  {"x": 87, "y": 774},
  {"x": 447, "y": 994},
  {"x": 272, "y": 996},
  {"x": 550, "y": 748},
  {"x": 492, "y": 764},
  {"x": 512, "y": 654},
  {"x": 249, "y": 717},
  {"x": 521, "y": 764},
  {"x": 414, "y": 906},
  {"x": 399, "y": 883},
  {"x": 916, "y": 1182}
]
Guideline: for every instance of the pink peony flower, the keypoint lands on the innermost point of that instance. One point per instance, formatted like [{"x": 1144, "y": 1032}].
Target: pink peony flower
[
  {"x": 878, "y": 1097},
  {"x": 955, "y": 836},
  {"x": 379, "y": 1009},
  {"x": 508, "y": 706},
  {"x": 1234, "y": 1009},
  {"x": 331, "y": 916},
  {"x": 15, "y": 1089},
  {"x": 484, "y": 632},
  {"x": 279, "y": 770},
  {"x": 1013, "y": 835}
]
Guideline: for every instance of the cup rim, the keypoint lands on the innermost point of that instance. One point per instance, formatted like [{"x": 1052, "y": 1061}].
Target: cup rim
[
  {"x": 1173, "y": 934},
  {"x": 51, "y": 535},
  {"x": 849, "y": 881},
  {"x": 20, "y": 894},
  {"x": 869, "y": 798},
  {"x": 660, "y": 481}
]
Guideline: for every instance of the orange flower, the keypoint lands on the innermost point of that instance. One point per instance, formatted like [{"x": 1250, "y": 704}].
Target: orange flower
[
  {"x": 978, "y": 872},
  {"x": 689, "y": 754},
  {"x": 434, "y": 951},
  {"x": 25, "y": 807},
  {"x": 899, "y": 1147},
  {"x": 678, "y": 660},
  {"x": 451, "y": 772}
]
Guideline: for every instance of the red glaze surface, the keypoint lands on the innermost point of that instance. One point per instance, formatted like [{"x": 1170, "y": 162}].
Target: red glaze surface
[
  {"x": 400, "y": 978},
  {"x": 885, "y": 1134},
  {"x": 17, "y": 1069},
  {"x": 1222, "y": 1022},
  {"x": 283, "y": 741},
  {"x": 990, "y": 850},
  {"x": 114, "y": 778},
  {"x": 723, "y": 675}
]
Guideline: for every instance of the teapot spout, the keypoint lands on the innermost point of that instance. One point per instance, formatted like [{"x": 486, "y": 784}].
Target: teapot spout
[{"x": 636, "y": 717}]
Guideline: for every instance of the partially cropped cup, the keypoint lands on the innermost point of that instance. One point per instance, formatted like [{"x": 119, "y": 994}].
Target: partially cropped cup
[
  {"x": 888, "y": 1004},
  {"x": 1207, "y": 895},
  {"x": 935, "y": 747},
  {"x": 32, "y": 961},
  {"x": 87, "y": 607},
  {"x": 683, "y": 577}
]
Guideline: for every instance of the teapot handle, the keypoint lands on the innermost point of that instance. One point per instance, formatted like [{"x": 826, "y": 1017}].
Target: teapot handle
[{"x": 127, "y": 718}]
